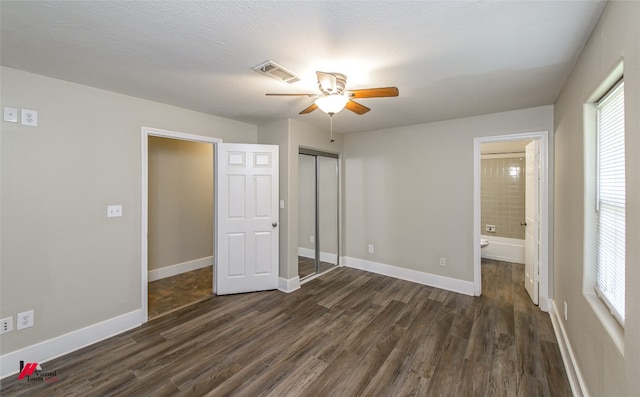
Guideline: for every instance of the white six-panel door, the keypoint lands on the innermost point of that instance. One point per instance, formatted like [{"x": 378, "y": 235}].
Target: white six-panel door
[
  {"x": 532, "y": 216},
  {"x": 246, "y": 238}
]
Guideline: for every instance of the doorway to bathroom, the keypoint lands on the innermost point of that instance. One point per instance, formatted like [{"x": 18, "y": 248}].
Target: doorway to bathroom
[
  {"x": 511, "y": 208},
  {"x": 318, "y": 198}
]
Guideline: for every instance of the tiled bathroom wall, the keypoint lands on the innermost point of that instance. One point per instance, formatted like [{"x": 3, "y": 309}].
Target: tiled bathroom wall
[{"x": 502, "y": 196}]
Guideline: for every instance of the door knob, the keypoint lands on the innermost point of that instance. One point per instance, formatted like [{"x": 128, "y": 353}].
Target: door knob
[
  {"x": 523, "y": 224},
  {"x": 274, "y": 224}
]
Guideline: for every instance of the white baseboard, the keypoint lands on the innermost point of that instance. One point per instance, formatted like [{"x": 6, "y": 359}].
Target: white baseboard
[
  {"x": 289, "y": 285},
  {"x": 67, "y": 343},
  {"x": 324, "y": 256},
  {"x": 174, "y": 270},
  {"x": 545, "y": 305},
  {"x": 432, "y": 280},
  {"x": 578, "y": 386},
  {"x": 306, "y": 252}
]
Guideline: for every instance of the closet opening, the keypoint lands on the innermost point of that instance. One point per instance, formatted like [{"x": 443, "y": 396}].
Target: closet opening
[{"x": 318, "y": 198}]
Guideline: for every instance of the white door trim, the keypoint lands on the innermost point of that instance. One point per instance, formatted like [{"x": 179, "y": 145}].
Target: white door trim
[
  {"x": 146, "y": 132},
  {"x": 543, "y": 137}
]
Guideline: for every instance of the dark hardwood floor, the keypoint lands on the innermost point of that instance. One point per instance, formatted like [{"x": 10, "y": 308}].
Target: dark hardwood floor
[
  {"x": 172, "y": 293},
  {"x": 346, "y": 333},
  {"x": 307, "y": 267}
]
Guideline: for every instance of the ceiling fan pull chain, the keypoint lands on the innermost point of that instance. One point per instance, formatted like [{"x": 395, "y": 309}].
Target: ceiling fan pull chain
[{"x": 331, "y": 117}]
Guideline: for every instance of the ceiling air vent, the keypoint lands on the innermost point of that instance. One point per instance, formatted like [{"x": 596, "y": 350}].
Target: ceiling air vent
[{"x": 275, "y": 71}]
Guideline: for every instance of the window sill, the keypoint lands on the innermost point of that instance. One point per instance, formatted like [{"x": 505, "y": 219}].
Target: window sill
[{"x": 610, "y": 324}]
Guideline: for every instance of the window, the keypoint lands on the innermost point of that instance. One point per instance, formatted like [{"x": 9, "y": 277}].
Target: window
[{"x": 610, "y": 201}]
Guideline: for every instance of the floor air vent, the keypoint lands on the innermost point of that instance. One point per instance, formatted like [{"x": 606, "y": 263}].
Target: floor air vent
[{"x": 275, "y": 71}]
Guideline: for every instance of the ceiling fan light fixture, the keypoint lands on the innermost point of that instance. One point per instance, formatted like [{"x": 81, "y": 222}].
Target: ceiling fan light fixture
[{"x": 332, "y": 103}]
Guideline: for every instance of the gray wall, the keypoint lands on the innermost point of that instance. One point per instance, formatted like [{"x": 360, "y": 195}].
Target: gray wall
[
  {"x": 409, "y": 190},
  {"x": 59, "y": 252},
  {"x": 180, "y": 201},
  {"x": 502, "y": 195},
  {"x": 606, "y": 370}
]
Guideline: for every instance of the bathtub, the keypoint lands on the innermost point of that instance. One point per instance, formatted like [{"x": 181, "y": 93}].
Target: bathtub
[{"x": 503, "y": 249}]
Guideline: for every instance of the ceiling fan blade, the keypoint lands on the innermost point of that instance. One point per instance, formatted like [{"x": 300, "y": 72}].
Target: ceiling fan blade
[
  {"x": 381, "y": 92},
  {"x": 309, "y": 95},
  {"x": 309, "y": 109},
  {"x": 327, "y": 82},
  {"x": 355, "y": 107}
]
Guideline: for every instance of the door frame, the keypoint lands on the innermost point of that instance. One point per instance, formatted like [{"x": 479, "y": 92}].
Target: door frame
[
  {"x": 543, "y": 138},
  {"x": 146, "y": 132}
]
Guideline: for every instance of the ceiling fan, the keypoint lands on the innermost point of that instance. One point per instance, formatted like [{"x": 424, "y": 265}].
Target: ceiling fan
[{"x": 333, "y": 97}]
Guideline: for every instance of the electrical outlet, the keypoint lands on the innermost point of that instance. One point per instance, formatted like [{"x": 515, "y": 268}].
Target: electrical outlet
[
  {"x": 30, "y": 117},
  {"x": 25, "y": 320},
  {"x": 371, "y": 248},
  {"x": 312, "y": 239},
  {"x": 443, "y": 261},
  {"x": 114, "y": 211},
  {"x": 6, "y": 325}
]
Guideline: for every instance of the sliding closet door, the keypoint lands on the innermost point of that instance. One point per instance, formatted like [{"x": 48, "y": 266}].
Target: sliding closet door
[
  {"x": 318, "y": 249},
  {"x": 306, "y": 215},
  {"x": 327, "y": 183}
]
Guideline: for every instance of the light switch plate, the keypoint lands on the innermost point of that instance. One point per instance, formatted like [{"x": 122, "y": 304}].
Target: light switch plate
[
  {"x": 10, "y": 114},
  {"x": 6, "y": 325},
  {"x": 29, "y": 117}
]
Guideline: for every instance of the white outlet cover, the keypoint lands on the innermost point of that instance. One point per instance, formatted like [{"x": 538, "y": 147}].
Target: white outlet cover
[
  {"x": 114, "y": 211},
  {"x": 29, "y": 117},
  {"x": 24, "y": 320},
  {"x": 11, "y": 115}
]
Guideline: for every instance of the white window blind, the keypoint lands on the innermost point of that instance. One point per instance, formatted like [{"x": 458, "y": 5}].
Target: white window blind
[{"x": 610, "y": 202}]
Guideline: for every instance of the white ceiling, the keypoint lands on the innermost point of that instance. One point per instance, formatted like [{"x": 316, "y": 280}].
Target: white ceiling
[{"x": 449, "y": 59}]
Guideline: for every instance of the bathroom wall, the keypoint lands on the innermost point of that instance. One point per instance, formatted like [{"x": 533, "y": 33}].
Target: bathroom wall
[{"x": 502, "y": 195}]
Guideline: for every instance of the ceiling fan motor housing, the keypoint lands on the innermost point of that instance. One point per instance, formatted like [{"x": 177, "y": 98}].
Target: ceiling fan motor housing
[{"x": 332, "y": 83}]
